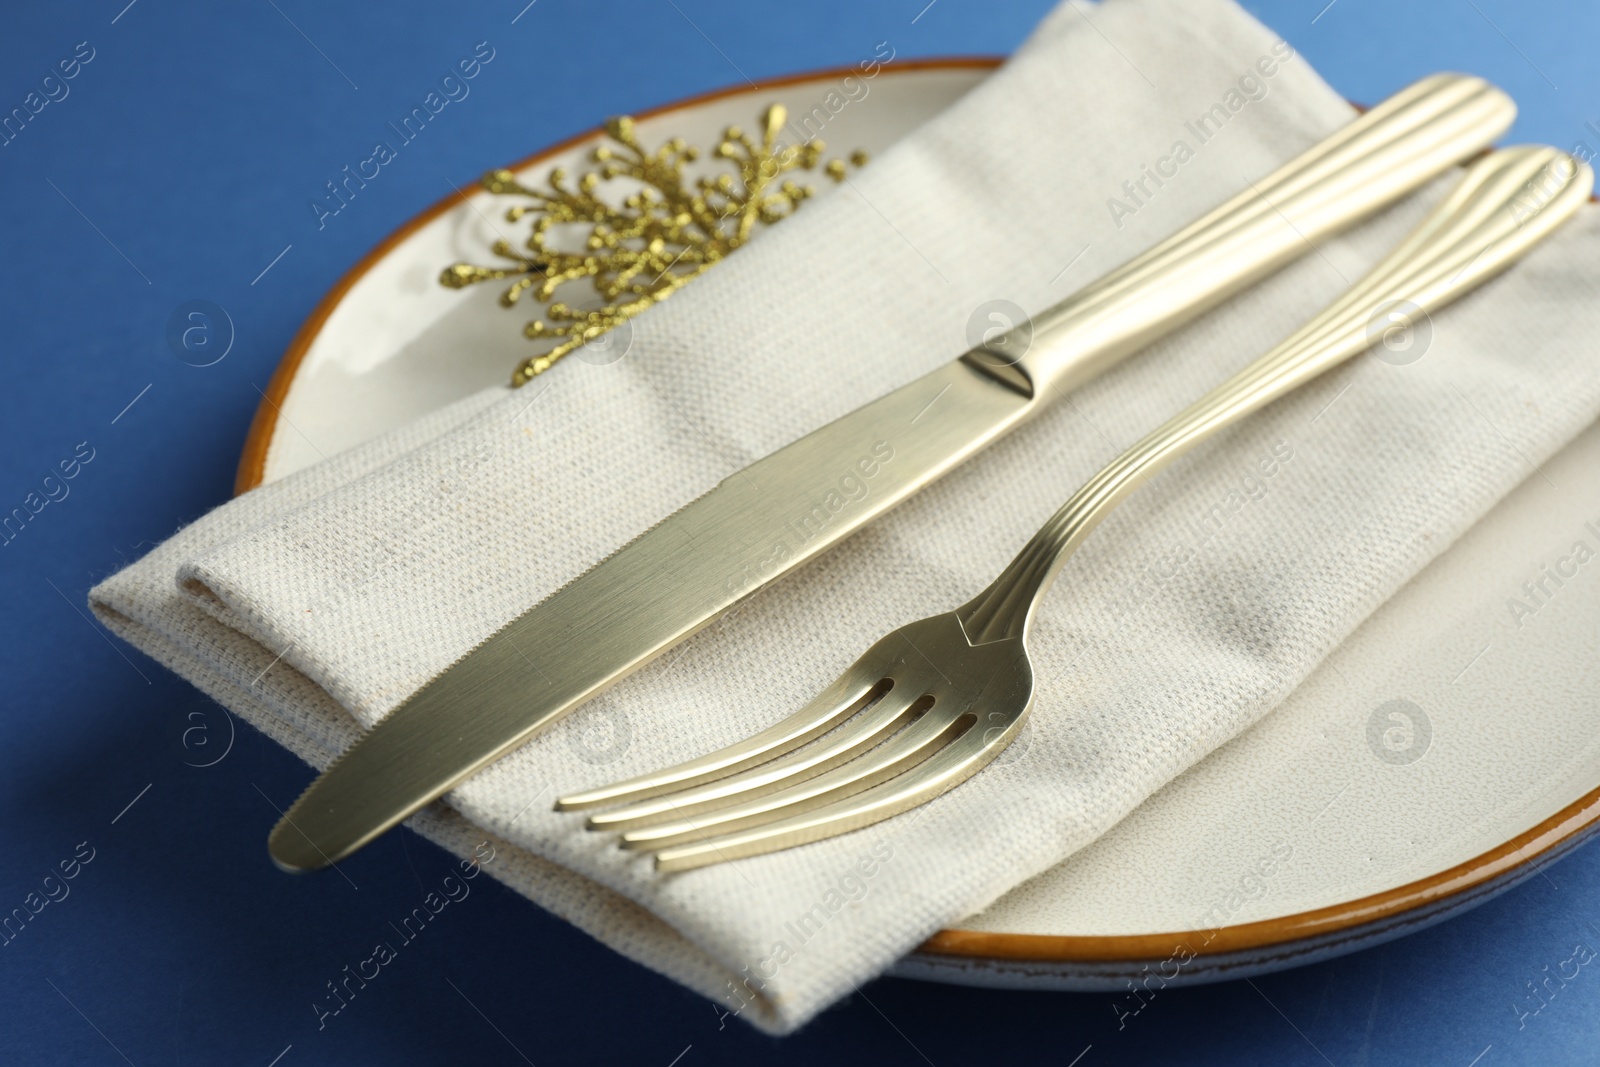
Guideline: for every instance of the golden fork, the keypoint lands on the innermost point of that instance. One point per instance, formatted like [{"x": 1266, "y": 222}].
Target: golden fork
[{"x": 932, "y": 703}]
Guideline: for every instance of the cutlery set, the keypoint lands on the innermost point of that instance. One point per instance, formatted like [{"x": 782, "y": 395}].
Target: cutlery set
[{"x": 929, "y": 705}]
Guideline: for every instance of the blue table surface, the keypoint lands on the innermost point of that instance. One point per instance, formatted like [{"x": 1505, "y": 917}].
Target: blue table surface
[{"x": 177, "y": 167}]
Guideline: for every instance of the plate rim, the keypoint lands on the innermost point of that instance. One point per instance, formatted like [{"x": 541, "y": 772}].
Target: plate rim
[{"x": 1509, "y": 861}]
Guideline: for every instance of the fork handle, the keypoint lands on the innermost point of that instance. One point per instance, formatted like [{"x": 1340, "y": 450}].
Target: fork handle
[{"x": 1506, "y": 203}]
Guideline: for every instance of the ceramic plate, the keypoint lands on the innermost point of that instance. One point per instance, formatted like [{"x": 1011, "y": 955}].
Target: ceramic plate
[{"x": 1448, "y": 749}]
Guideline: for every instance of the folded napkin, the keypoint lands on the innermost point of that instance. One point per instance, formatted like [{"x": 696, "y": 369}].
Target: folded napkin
[{"x": 315, "y": 605}]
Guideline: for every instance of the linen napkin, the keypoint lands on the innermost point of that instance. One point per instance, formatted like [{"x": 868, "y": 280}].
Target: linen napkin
[{"x": 315, "y": 605}]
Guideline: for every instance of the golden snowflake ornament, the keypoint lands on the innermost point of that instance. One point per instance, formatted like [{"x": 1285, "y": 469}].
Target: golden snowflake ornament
[{"x": 655, "y": 239}]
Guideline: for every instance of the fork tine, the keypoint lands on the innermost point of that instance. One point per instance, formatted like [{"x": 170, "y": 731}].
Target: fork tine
[
  {"x": 861, "y": 683},
  {"x": 853, "y": 737},
  {"x": 904, "y": 750},
  {"x": 948, "y": 768},
  {"x": 835, "y": 704}
]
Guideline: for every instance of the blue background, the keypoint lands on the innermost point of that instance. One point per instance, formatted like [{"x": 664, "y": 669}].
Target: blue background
[{"x": 178, "y": 167}]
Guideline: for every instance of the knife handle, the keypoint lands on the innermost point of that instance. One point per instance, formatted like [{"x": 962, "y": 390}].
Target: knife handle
[{"x": 1389, "y": 151}]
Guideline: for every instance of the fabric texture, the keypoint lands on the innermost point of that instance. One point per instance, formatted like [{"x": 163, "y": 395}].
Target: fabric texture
[{"x": 314, "y": 606}]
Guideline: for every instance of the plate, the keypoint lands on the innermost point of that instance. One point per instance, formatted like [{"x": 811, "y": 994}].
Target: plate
[{"x": 1447, "y": 750}]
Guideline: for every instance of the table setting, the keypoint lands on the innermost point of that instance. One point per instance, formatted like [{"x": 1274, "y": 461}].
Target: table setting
[{"x": 1111, "y": 562}]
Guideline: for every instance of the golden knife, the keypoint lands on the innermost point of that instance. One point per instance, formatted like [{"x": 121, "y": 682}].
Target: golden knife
[{"x": 781, "y": 511}]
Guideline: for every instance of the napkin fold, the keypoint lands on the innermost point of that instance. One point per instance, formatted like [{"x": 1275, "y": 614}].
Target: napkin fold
[{"x": 315, "y": 605}]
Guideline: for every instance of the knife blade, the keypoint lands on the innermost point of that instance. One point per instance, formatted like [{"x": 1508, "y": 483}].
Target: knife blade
[{"x": 777, "y": 513}]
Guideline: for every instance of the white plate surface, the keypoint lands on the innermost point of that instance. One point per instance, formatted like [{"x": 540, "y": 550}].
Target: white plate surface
[{"x": 1318, "y": 807}]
